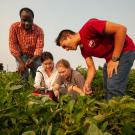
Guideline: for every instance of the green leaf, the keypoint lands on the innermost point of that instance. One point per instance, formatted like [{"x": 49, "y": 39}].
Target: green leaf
[
  {"x": 15, "y": 87},
  {"x": 60, "y": 131},
  {"x": 29, "y": 133},
  {"x": 104, "y": 126},
  {"x": 5, "y": 132},
  {"x": 70, "y": 106},
  {"x": 106, "y": 133},
  {"x": 49, "y": 132},
  {"x": 128, "y": 129},
  {"x": 99, "y": 117},
  {"x": 94, "y": 130},
  {"x": 78, "y": 116}
]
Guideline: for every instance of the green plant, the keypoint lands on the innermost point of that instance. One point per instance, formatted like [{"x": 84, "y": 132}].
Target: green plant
[{"x": 22, "y": 113}]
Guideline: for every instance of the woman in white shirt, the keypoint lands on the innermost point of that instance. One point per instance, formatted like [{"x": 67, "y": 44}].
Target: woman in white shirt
[{"x": 46, "y": 73}]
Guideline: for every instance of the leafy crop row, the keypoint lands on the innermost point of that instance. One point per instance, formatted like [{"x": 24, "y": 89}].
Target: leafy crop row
[{"x": 23, "y": 114}]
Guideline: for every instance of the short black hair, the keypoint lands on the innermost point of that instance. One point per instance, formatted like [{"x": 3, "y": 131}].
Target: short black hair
[
  {"x": 46, "y": 55},
  {"x": 27, "y": 10},
  {"x": 63, "y": 34}
]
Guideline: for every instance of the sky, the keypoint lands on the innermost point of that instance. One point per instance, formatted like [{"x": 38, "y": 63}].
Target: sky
[{"x": 55, "y": 15}]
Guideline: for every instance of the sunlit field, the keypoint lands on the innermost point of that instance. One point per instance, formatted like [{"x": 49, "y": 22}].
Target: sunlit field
[{"x": 23, "y": 114}]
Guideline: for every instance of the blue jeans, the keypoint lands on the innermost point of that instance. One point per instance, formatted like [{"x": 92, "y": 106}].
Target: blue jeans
[
  {"x": 116, "y": 85},
  {"x": 33, "y": 69}
]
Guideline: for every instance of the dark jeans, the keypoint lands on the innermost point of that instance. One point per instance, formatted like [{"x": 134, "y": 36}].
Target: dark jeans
[
  {"x": 116, "y": 85},
  {"x": 33, "y": 69}
]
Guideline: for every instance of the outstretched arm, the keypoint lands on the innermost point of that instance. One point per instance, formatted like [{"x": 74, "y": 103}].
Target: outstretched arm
[
  {"x": 56, "y": 89},
  {"x": 14, "y": 49},
  {"x": 38, "y": 50},
  {"x": 76, "y": 89},
  {"x": 90, "y": 75}
]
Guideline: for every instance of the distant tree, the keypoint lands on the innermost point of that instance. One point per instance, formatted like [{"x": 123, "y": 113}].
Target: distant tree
[{"x": 1, "y": 66}]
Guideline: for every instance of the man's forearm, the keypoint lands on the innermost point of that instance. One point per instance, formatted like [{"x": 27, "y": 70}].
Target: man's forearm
[
  {"x": 119, "y": 38},
  {"x": 78, "y": 90},
  {"x": 119, "y": 33},
  {"x": 56, "y": 86},
  {"x": 19, "y": 59},
  {"x": 90, "y": 75}
]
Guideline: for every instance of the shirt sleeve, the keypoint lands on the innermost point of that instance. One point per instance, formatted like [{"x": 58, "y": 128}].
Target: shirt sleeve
[
  {"x": 96, "y": 26},
  {"x": 85, "y": 55},
  {"x": 13, "y": 42},
  {"x": 79, "y": 80},
  {"x": 91, "y": 29},
  {"x": 40, "y": 43}
]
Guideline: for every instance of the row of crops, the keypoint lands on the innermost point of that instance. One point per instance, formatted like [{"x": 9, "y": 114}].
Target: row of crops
[{"x": 23, "y": 114}]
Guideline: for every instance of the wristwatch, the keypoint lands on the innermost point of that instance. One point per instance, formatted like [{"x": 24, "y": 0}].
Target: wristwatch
[{"x": 114, "y": 58}]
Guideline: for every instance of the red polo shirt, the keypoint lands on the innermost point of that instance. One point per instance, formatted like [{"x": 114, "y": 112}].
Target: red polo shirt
[{"x": 96, "y": 43}]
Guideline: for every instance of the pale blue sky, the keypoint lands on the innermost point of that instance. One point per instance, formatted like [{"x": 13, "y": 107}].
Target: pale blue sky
[{"x": 55, "y": 15}]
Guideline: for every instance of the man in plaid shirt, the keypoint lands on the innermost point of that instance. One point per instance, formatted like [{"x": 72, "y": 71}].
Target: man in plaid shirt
[{"x": 26, "y": 41}]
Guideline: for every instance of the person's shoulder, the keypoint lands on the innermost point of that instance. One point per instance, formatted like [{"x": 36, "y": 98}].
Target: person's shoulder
[
  {"x": 37, "y": 27},
  {"x": 40, "y": 68},
  {"x": 76, "y": 73},
  {"x": 92, "y": 21},
  {"x": 87, "y": 24},
  {"x": 15, "y": 24},
  {"x": 78, "y": 76}
]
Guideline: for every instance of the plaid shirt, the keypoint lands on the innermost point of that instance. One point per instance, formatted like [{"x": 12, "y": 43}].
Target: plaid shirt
[{"x": 26, "y": 42}]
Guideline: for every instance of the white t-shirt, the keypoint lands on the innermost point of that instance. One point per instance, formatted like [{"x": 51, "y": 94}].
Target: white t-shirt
[{"x": 41, "y": 75}]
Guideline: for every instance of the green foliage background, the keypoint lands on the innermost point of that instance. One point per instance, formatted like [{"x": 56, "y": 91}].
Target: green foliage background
[{"x": 23, "y": 114}]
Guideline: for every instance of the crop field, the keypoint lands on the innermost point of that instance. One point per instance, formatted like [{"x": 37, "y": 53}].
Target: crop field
[{"x": 23, "y": 114}]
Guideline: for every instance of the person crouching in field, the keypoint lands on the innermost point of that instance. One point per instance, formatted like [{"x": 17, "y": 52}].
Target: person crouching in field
[
  {"x": 73, "y": 81},
  {"x": 26, "y": 42},
  {"x": 46, "y": 75},
  {"x": 103, "y": 39}
]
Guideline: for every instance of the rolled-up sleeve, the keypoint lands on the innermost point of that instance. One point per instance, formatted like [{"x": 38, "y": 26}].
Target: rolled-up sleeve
[
  {"x": 79, "y": 79},
  {"x": 13, "y": 43}
]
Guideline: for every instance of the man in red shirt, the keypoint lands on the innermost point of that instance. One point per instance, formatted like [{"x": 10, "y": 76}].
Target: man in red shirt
[
  {"x": 26, "y": 41},
  {"x": 103, "y": 39}
]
